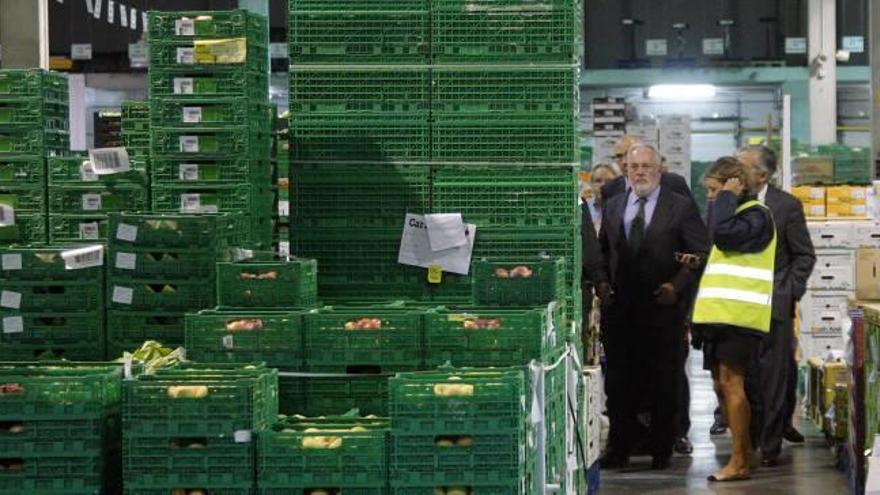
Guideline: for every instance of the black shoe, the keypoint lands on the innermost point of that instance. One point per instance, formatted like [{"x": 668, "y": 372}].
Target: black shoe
[
  {"x": 792, "y": 435},
  {"x": 769, "y": 461},
  {"x": 614, "y": 461},
  {"x": 683, "y": 446},
  {"x": 718, "y": 428},
  {"x": 660, "y": 463}
]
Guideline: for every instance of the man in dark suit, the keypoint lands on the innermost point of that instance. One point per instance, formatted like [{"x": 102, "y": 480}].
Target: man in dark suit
[
  {"x": 769, "y": 384},
  {"x": 644, "y": 295},
  {"x": 668, "y": 180}
]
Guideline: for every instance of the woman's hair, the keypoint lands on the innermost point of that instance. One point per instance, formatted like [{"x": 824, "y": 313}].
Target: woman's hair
[
  {"x": 728, "y": 167},
  {"x": 606, "y": 166}
]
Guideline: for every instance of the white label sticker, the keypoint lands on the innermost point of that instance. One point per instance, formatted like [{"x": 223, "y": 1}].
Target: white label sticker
[
  {"x": 186, "y": 55},
  {"x": 123, "y": 295},
  {"x": 13, "y": 324},
  {"x": 795, "y": 46},
  {"x": 239, "y": 254},
  {"x": 853, "y": 44},
  {"x": 126, "y": 261},
  {"x": 189, "y": 171},
  {"x": 185, "y": 27},
  {"x": 87, "y": 172},
  {"x": 125, "y": 232},
  {"x": 284, "y": 248},
  {"x": 10, "y": 299},
  {"x": 189, "y": 144},
  {"x": 713, "y": 46},
  {"x": 89, "y": 230},
  {"x": 183, "y": 85},
  {"x": 7, "y": 215},
  {"x": 106, "y": 161},
  {"x": 242, "y": 436},
  {"x": 86, "y": 257},
  {"x": 228, "y": 342},
  {"x": 91, "y": 202},
  {"x": 284, "y": 208},
  {"x": 656, "y": 47},
  {"x": 278, "y": 50},
  {"x": 127, "y": 361},
  {"x": 191, "y": 203},
  {"x": 81, "y": 51},
  {"x": 192, "y": 115},
  {"x": 11, "y": 261}
]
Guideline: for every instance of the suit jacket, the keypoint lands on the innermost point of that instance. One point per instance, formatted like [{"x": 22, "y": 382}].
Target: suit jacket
[
  {"x": 675, "y": 227},
  {"x": 795, "y": 256},
  {"x": 668, "y": 180}
]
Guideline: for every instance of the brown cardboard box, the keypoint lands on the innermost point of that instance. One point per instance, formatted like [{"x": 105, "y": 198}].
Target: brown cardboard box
[
  {"x": 857, "y": 195},
  {"x": 809, "y": 194},
  {"x": 838, "y": 210},
  {"x": 868, "y": 274},
  {"x": 814, "y": 209},
  {"x": 815, "y": 169}
]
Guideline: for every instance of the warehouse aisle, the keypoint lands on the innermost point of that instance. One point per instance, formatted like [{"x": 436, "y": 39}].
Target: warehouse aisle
[{"x": 806, "y": 469}]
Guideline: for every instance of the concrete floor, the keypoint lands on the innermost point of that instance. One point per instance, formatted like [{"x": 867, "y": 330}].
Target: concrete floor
[{"x": 806, "y": 469}]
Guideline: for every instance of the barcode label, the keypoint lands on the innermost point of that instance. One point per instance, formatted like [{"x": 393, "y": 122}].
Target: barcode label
[
  {"x": 106, "y": 161},
  {"x": 284, "y": 208},
  {"x": 87, "y": 172},
  {"x": 191, "y": 203},
  {"x": 126, "y": 261},
  {"x": 284, "y": 248},
  {"x": 13, "y": 324},
  {"x": 91, "y": 202},
  {"x": 89, "y": 231},
  {"x": 189, "y": 144},
  {"x": 242, "y": 436},
  {"x": 189, "y": 171},
  {"x": 192, "y": 115},
  {"x": 125, "y": 232},
  {"x": 123, "y": 295},
  {"x": 183, "y": 86},
  {"x": 185, "y": 27},
  {"x": 86, "y": 257},
  {"x": 7, "y": 215},
  {"x": 186, "y": 55},
  {"x": 11, "y": 261},
  {"x": 239, "y": 254},
  {"x": 228, "y": 342},
  {"x": 11, "y": 300}
]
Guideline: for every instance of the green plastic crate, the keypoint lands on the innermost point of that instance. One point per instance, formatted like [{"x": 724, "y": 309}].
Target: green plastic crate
[
  {"x": 59, "y": 391},
  {"x": 517, "y": 89},
  {"x": 163, "y": 263},
  {"x": 296, "y": 6},
  {"x": 75, "y": 228},
  {"x": 213, "y": 142},
  {"x": 202, "y": 24},
  {"x": 127, "y": 330},
  {"x": 42, "y": 438},
  {"x": 198, "y": 457},
  {"x": 28, "y": 229},
  {"x": 159, "y": 295},
  {"x": 33, "y": 112},
  {"x": 294, "y": 284},
  {"x": 75, "y": 296},
  {"x": 476, "y": 488},
  {"x": 360, "y": 138},
  {"x": 97, "y": 199},
  {"x": 185, "y": 55},
  {"x": 24, "y": 199},
  {"x": 495, "y": 282},
  {"x": 271, "y": 337},
  {"x": 334, "y": 395},
  {"x": 345, "y": 90},
  {"x": 132, "y": 488},
  {"x": 71, "y": 170},
  {"x": 135, "y": 111},
  {"x": 35, "y": 141},
  {"x": 19, "y": 83},
  {"x": 53, "y": 330},
  {"x": 219, "y": 112},
  {"x": 173, "y": 231},
  {"x": 22, "y": 171},
  {"x": 21, "y": 263},
  {"x": 60, "y": 474},
  {"x": 245, "y": 198},
  {"x": 190, "y": 84}
]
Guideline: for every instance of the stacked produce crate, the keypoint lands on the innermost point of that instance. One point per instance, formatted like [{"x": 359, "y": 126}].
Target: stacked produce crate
[
  {"x": 281, "y": 217},
  {"x": 33, "y": 125},
  {"x": 160, "y": 267},
  {"x": 51, "y": 304},
  {"x": 193, "y": 428},
  {"x": 60, "y": 429},
  {"x": 211, "y": 121},
  {"x": 136, "y": 133}
]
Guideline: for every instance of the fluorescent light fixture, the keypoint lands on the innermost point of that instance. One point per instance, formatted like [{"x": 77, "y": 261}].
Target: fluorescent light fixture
[{"x": 682, "y": 91}]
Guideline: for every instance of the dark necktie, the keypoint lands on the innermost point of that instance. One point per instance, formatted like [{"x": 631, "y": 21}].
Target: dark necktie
[{"x": 637, "y": 228}]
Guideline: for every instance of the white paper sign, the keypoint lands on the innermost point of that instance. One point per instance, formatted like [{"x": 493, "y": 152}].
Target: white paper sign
[
  {"x": 107, "y": 161},
  {"x": 87, "y": 172},
  {"x": 183, "y": 85},
  {"x": 11, "y": 261},
  {"x": 283, "y": 248},
  {"x": 189, "y": 144},
  {"x": 188, "y": 171},
  {"x": 795, "y": 46},
  {"x": 125, "y": 232},
  {"x": 228, "y": 342},
  {"x": 126, "y": 261},
  {"x": 123, "y": 295},
  {"x": 13, "y": 324},
  {"x": 91, "y": 202},
  {"x": 278, "y": 50},
  {"x": 7, "y": 215},
  {"x": 284, "y": 208},
  {"x": 89, "y": 230},
  {"x": 185, "y": 27},
  {"x": 445, "y": 231},
  {"x": 86, "y": 257},
  {"x": 191, "y": 203},
  {"x": 192, "y": 115},
  {"x": 853, "y": 44},
  {"x": 713, "y": 46},
  {"x": 138, "y": 56},
  {"x": 10, "y": 299},
  {"x": 415, "y": 248},
  {"x": 656, "y": 47},
  {"x": 186, "y": 55},
  {"x": 242, "y": 436},
  {"x": 81, "y": 51}
]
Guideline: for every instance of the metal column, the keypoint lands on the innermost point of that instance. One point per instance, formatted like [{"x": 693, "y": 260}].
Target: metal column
[
  {"x": 24, "y": 34},
  {"x": 823, "y": 71},
  {"x": 874, "y": 50}
]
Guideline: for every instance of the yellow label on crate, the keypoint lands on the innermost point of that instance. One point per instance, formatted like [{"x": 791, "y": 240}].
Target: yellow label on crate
[
  {"x": 435, "y": 274},
  {"x": 227, "y": 51}
]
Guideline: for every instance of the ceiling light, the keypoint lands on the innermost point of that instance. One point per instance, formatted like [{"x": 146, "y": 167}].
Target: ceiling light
[{"x": 682, "y": 91}]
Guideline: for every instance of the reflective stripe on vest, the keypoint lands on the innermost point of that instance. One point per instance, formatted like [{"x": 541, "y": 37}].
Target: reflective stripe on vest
[{"x": 737, "y": 288}]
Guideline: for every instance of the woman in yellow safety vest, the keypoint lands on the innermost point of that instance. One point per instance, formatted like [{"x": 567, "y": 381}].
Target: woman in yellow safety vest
[{"x": 732, "y": 309}]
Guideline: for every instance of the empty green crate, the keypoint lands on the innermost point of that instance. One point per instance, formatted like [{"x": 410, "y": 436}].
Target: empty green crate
[
  {"x": 288, "y": 284},
  {"x": 212, "y": 199},
  {"x": 74, "y": 228},
  {"x": 214, "y": 483},
  {"x": 187, "y": 455},
  {"x": 169, "y": 230},
  {"x": 215, "y": 142},
  {"x": 90, "y": 200},
  {"x": 189, "y": 84},
  {"x": 59, "y": 474},
  {"x": 35, "y": 141},
  {"x": 87, "y": 437},
  {"x": 208, "y": 54},
  {"x": 169, "y": 26},
  {"x": 503, "y": 282},
  {"x": 163, "y": 263},
  {"x": 135, "y": 111},
  {"x": 52, "y": 328},
  {"x": 287, "y": 458},
  {"x": 159, "y": 295},
  {"x": 220, "y": 112},
  {"x": 47, "y": 295},
  {"x": 41, "y": 263},
  {"x": 345, "y": 90},
  {"x": 127, "y": 330},
  {"x": 22, "y": 171},
  {"x": 360, "y": 138},
  {"x": 23, "y": 199},
  {"x": 243, "y": 337},
  {"x": 28, "y": 229},
  {"x": 486, "y": 89},
  {"x": 33, "y": 112},
  {"x": 340, "y": 35},
  {"x": 59, "y": 392},
  {"x": 334, "y": 395},
  {"x": 77, "y": 170},
  {"x": 203, "y": 171},
  {"x": 51, "y": 86},
  {"x": 524, "y": 138}
]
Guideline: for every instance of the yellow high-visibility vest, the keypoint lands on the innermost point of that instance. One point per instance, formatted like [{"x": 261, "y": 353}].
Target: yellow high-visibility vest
[{"x": 737, "y": 288}]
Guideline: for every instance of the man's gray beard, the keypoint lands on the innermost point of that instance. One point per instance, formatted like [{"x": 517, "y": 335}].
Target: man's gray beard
[{"x": 643, "y": 191}]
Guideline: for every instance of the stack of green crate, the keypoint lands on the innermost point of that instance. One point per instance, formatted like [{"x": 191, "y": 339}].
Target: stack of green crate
[
  {"x": 851, "y": 165},
  {"x": 211, "y": 122},
  {"x": 136, "y": 133},
  {"x": 195, "y": 427},
  {"x": 33, "y": 125},
  {"x": 80, "y": 200},
  {"x": 159, "y": 267},
  {"x": 464, "y": 429},
  {"x": 48, "y": 310},
  {"x": 281, "y": 175},
  {"x": 61, "y": 429}
]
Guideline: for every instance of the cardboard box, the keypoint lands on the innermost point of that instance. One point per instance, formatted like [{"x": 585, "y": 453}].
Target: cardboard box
[
  {"x": 814, "y": 210},
  {"x": 814, "y": 169},
  {"x": 846, "y": 194},
  {"x": 868, "y": 274},
  {"x": 846, "y": 210},
  {"x": 675, "y": 120},
  {"x": 833, "y": 234},
  {"x": 812, "y": 194},
  {"x": 867, "y": 234},
  {"x": 835, "y": 270},
  {"x": 670, "y": 149},
  {"x": 823, "y": 313}
]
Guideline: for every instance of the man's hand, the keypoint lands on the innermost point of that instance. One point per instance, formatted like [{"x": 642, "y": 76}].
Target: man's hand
[
  {"x": 603, "y": 290},
  {"x": 666, "y": 295}
]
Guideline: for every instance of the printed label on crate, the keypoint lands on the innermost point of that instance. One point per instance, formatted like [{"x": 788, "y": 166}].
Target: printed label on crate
[
  {"x": 242, "y": 436},
  {"x": 91, "y": 202},
  {"x": 192, "y": 115},
  {"x": 106, "y": 161},
  {"x": 11, "y": 261},
  {"x": 13, "y": 324},
  {"x": 189, "y": 144},
  {"x": 278, "y": 50},
  {"x": 284, "y": 208},
  {"x": 191, "y": 203},
  {"x": 123, "y": 295},
  {"x": 87, "y": 172},
  {"x": 189, "y": 171},
  {"x": 125, "y": 232},
  {"x": 186, "y": 55},
  {"x": 226, "y": 51},
  {"x": 7, "y": 215},
  {"x": 228, "y": 342},
  {"x": 284, "y": 248},
  {"x": 185, "y": 27},
  {"x": 183, "y": 85},
  {"x": 126, "y": 261},
  {"x": 86, "y": 257},
  {"x": 10, "y": 299},
  {"x": 89, "y": 230},
  {"x": 239, "y": 254}
]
